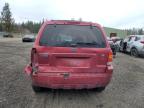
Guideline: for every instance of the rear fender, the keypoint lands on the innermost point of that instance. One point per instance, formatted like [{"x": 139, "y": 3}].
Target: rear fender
[{"x": 28, "y": 69}]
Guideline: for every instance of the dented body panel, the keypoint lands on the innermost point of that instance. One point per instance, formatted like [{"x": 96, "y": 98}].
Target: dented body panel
[{"x": 69, "y": 67}]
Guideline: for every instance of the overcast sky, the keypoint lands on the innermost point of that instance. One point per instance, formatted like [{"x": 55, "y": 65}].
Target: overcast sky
[{"x": 111, "y": 13}]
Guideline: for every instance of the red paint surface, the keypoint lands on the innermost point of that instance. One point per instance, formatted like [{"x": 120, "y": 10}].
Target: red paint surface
[{"x": 58, "y": 67}]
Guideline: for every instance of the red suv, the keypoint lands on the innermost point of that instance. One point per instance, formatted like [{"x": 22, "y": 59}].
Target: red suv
[{"x": 70, "y": 55}]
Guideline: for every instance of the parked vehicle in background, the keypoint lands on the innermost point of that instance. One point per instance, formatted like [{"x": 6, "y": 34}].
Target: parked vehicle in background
[
  {"x": 7, "y": 35},
  {"x": 113, "y": 46},
  {"x": 135, "y": 45},
  {"x": 70, "y": 54},
  {"x": 118, "y": 44},
  {"x": 28, "y": 38},
  {"x": 115, "y": 39},
  {"x": 123, "y": 45}
]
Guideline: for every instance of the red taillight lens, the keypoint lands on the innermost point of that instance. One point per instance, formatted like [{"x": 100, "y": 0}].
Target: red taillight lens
[
  {"x": 34, "y": 60},
  {"x": 33, "y": 52}
]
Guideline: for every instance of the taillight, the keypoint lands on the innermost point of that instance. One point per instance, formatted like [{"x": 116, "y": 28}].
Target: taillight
[
  {"x": 142, "y": 42},
  {"x": 33, "y": 52},
  {"x": 34, "y": 60},
  {"x": 110, "y": 58}
]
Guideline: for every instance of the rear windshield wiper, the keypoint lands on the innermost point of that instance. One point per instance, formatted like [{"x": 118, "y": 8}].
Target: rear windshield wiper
[
  {"x": 71, "y": 44},
  {"x": 88, "y": 43},
  {"x": 66, "y": 44}
]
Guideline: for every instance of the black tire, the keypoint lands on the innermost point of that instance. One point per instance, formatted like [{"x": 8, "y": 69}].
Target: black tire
[
  {"x": 36, "y": 88},
  {"x": 23, "y": 41},
  {"x": 134, "y": 52},
  {"x": 99, "y": 89}
]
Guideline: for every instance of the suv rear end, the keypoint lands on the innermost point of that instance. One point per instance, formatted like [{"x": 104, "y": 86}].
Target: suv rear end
[{"x": 70, "y": 54}]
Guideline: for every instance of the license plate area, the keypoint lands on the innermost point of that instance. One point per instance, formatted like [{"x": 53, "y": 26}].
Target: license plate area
[{"x": 73, "y": 62}]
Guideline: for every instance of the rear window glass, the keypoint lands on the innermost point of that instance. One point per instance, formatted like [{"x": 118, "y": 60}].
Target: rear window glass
[{"x": 72, "y": 35}]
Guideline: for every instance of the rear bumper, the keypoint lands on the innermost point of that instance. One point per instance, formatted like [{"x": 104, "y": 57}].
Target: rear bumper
[{"x": 73, "y": 81}]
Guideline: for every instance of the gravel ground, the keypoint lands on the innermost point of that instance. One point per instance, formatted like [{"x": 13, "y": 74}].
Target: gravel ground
[{"x": 126, "y": 89}]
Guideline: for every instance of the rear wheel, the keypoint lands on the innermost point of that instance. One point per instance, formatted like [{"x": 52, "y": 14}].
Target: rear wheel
[
  {"x": 99, "y": 89},
  {"x": 36, "y": 88},
  {"x": 134, "y": 52}
]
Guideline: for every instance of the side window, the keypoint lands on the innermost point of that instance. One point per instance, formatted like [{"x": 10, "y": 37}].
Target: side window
[
  {"x": 130, "y": 38},
  {"x": 137, "y": 38}
]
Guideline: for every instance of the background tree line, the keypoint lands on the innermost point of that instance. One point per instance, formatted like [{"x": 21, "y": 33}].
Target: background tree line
[
  {"x": 8, "y": 24},
  {"x": 135, "y": 31},
  {"x": 29, "y": 26}
]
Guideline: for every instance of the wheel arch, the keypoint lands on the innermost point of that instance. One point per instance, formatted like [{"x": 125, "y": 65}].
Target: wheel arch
[{"x": 133, "y": 47}]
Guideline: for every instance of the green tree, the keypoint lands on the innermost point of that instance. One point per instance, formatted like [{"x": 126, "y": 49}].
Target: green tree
[
  {"x": 140, "y": 31},
  {"x": 6, "y": 18},
  {"x": 33, "y": 27}
]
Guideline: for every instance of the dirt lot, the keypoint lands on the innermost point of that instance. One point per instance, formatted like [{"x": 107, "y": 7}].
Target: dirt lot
[{"x": 126, "y": 89}]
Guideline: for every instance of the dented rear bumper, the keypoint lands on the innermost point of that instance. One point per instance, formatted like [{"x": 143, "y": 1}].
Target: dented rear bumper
[{"x": 70, "y": 80}]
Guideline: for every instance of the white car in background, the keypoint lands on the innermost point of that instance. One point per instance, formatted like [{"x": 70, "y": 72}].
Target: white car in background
[{"x": 135, "y": 45}]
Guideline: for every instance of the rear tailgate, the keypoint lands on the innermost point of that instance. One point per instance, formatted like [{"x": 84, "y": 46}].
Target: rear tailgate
[{"x": 62, "y": 59}]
